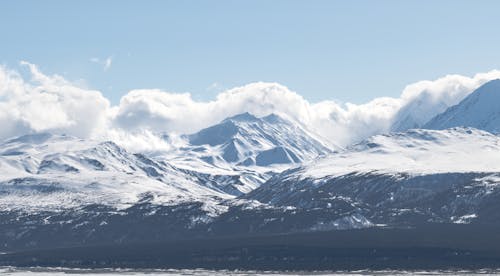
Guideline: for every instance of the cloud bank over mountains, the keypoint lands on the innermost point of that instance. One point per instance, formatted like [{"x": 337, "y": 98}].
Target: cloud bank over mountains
[
  {"x": 43, "y": 103},
  {"x": 48, "y": 103}
]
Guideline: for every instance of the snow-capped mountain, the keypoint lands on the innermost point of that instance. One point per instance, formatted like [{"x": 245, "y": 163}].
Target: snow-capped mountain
[
  {"x": 243, "y": 151},
  {"x": 481, "y": 110},
  {"x": 247, "y": 140},
  {"x": 414, "y": 177},
  {"x": 44, "y": 171}
]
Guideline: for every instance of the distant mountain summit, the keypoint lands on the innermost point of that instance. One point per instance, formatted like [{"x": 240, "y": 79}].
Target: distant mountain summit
[
  {"x": 481, "y": 109},
  {"x": 247, "y": 140}
]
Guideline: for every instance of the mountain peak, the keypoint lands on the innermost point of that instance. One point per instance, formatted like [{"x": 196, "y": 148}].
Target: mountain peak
[
  {"x": 245, "y": 137},
  {"x": 243, "y": 117},
  {"x": 226, "y": 130},
  {"x": 479, "y": 110},
  {"x": 274, "y": 118}
]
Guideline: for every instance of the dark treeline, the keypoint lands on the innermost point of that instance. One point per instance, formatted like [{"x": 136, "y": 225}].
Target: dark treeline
[{"x": 427, "y": 247}]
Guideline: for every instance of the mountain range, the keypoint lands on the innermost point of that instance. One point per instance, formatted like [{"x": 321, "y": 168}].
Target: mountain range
[{"x": 253, "y": 176}]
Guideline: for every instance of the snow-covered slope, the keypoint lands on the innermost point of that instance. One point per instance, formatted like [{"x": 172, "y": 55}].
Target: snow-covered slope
[
  {"x": 416, "y": 151},
  {"x": 247, "y": 140},
  {"x": 481, "y": 110},
  {"x": 44, "y": 171},
  {"x": 418, "y": 176},
  {"x": 243, "y": 151},
  {"x": 228, "y": 159}
]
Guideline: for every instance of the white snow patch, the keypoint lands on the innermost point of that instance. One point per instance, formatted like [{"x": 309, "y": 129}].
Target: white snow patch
[{"x": 415, "y": 152}]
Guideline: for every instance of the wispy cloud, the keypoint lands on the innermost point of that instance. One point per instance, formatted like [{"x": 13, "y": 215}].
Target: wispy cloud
[
  {"x": 106, "y": 63},
  {"x": 213, "y": 86}
]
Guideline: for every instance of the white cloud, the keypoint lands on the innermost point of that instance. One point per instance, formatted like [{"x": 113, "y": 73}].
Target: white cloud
[
  {"x": 50, "y": 103},
  {"x": 163, "y": 111},
  {"x": 142, "y": 141}
]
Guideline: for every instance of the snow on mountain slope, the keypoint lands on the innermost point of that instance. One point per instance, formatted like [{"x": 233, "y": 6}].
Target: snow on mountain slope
[
  {"x": 243, "y": 151},
  {"x": 416, "y": 151},
  {"x": 408, "y": 178},
  {"x": 247, "y": 140},
  {"x": 481, "y": 110},
  {"x": 51, "y": 171}
]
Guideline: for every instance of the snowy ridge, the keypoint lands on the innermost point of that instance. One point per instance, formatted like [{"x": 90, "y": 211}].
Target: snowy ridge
[
  {"x": 480, "y": 110},
  {"x": 43, "y": 171},
  {"x": 416, "y": 151},
  {"x": 247, "y": 140},
  {"x": 243, "y": 151},
  {"x": 51, "y": 171}
]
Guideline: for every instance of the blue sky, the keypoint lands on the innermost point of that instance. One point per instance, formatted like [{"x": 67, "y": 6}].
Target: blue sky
[{"x": 344, "y": 50}]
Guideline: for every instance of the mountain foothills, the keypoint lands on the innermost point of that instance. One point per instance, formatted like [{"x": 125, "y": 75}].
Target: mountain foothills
[{"x": 253, "y": 176}]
